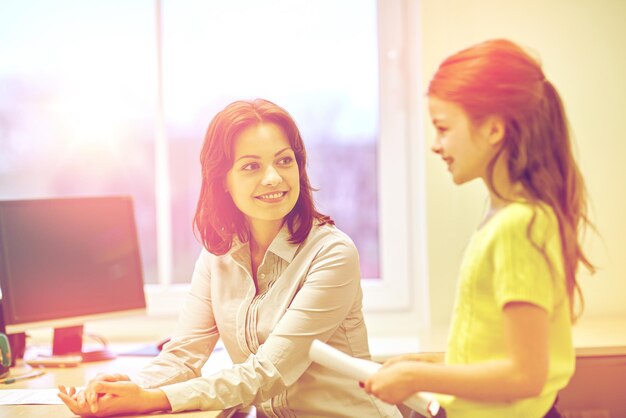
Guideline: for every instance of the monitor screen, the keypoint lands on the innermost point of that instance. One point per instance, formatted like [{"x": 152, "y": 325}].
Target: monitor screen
[{"x": 64, "y": 261}]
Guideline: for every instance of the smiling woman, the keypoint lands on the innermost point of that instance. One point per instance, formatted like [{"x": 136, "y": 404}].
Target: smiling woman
[
  {"x": 274, "y": 275},
  {"x": 253, "y": 149},
  {"x": 264, "y": 181}
]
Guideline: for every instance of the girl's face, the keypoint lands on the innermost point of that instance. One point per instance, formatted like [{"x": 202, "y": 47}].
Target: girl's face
[
  {"x": 466, "y": 148},
  {"x": 264, "y": 180}
]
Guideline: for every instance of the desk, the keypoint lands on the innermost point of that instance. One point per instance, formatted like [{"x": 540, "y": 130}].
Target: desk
[{"x": 78, "y": 376}]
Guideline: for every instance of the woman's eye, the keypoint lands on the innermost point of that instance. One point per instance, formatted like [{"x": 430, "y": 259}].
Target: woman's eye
[
  {"x": 441, "y": 129},
  {"x": 285, "y": 160},
  {"x": 250, "y": 166}
]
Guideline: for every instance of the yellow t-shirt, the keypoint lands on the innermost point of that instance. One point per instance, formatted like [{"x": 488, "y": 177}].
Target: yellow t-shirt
[{"x": 501, "y": 265}]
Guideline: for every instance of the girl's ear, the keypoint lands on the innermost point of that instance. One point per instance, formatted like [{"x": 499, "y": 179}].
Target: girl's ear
[{"x": 496, "y": 128}]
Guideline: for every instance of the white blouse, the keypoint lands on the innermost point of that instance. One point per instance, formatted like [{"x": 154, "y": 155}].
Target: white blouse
[{"x": 305, "y": 291}]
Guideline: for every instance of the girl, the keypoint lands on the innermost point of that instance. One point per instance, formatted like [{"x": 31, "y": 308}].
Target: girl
[
  {"x": 274, "y": 275},
  {"x": 510, "y": 346}
]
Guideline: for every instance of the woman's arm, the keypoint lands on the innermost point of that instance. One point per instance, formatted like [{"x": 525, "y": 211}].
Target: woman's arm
[
  {"x": 181, "y": 359},
  {"x": 522, "y": 374},
  {"x": 120, "y": 398},
  {"x": 327, "y": 295},
  {"x": 194, "y": 338}
]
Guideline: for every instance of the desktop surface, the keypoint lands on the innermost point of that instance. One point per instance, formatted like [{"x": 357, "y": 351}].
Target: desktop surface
[{"x": 78, "y": 376}]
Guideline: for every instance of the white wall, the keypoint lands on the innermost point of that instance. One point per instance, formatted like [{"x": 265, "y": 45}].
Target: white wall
[{"x": 583, "y": 48}]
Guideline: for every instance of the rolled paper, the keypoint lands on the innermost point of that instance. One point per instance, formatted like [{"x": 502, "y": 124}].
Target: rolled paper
[{"x": 360, "y": 369}]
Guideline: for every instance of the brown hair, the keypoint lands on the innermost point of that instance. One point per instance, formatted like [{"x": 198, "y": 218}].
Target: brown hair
[
  {"x": 498, "y": 77},
  {"x": 217, "y": 219}
]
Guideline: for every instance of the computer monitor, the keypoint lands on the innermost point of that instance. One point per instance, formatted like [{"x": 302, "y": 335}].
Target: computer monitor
[{"x": 64, "y": 261}]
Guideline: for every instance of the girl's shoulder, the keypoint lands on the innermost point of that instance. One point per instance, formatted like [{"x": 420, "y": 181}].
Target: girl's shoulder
[
  {"x": 525, "y": 211},
  {"x": 519, "y": 216}
]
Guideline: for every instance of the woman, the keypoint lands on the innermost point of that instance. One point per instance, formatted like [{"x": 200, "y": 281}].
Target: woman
[{"x": 274, "y": 275}]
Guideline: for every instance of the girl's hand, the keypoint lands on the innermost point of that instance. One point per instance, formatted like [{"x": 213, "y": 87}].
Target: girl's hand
[
  {"x": 394, "y": 382},
  {"x": 121, "y": 397}
]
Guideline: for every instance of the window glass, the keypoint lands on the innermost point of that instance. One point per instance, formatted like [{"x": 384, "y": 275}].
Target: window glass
[
  {"x": 317, "y": 59},
  {"x": 78, "y": 90},
  {"x": 77, "y": 94}
]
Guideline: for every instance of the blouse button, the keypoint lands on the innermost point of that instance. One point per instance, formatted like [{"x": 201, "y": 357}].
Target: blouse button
[{"x": 262, "y": 275}]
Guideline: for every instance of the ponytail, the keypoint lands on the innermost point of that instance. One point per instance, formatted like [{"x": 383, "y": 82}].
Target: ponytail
[{"x": 568, "y": 197}]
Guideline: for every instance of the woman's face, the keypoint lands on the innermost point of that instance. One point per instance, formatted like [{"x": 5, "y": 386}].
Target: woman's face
[
  {"x": 264, "y": 180},
  {"x": 466, "y": 149}
]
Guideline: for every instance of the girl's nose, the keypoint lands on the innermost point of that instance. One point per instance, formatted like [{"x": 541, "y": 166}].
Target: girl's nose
[
  {"x": 271, "y": 177},
  {"x": 436, "y": 148}
]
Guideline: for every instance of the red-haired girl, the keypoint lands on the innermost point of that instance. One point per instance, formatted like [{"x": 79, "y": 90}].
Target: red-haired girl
[{"x": 510, "y": 349}]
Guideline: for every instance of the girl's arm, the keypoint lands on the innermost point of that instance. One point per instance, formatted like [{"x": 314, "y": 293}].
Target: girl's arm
[
  {"x": 430, "y": 357},
  {"x": 522, "y": 374}
]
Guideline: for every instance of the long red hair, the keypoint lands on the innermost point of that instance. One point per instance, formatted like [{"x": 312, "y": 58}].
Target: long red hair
[
  {"x": 217, "y": 220},
  {"x": 498, "y": 77}
]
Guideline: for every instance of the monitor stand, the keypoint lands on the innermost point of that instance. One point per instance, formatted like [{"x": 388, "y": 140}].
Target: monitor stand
[{"x": 69, "y": 341}]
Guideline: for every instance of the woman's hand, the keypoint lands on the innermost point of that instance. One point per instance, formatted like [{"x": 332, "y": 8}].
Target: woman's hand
[
  {"x": 90, "y": 396},
  {"x": 394, "y": 382},
  {"x": 121, "y": 397},
  {"x": 397, "y": 379}
]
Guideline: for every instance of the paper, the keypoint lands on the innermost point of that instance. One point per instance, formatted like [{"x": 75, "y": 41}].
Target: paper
[
  {"x": 29, "y": 397},
  {"x": 360, "y": 369}
]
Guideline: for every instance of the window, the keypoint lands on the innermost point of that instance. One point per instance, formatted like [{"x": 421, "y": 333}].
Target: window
[
  {"x": 298, "y": 54},
  {"x": 95, "y": 100},
  {"x": 77, "y": 96}
]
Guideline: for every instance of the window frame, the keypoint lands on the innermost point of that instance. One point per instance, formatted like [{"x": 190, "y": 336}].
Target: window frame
[{"x": 402, "y": 291}]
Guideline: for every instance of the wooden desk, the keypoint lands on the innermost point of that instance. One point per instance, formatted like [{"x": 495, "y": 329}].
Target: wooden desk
[{"x": 78, "y": 376}]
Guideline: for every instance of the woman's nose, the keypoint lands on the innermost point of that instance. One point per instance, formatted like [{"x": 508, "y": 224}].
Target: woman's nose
[{"x": 271, "y": 177}]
